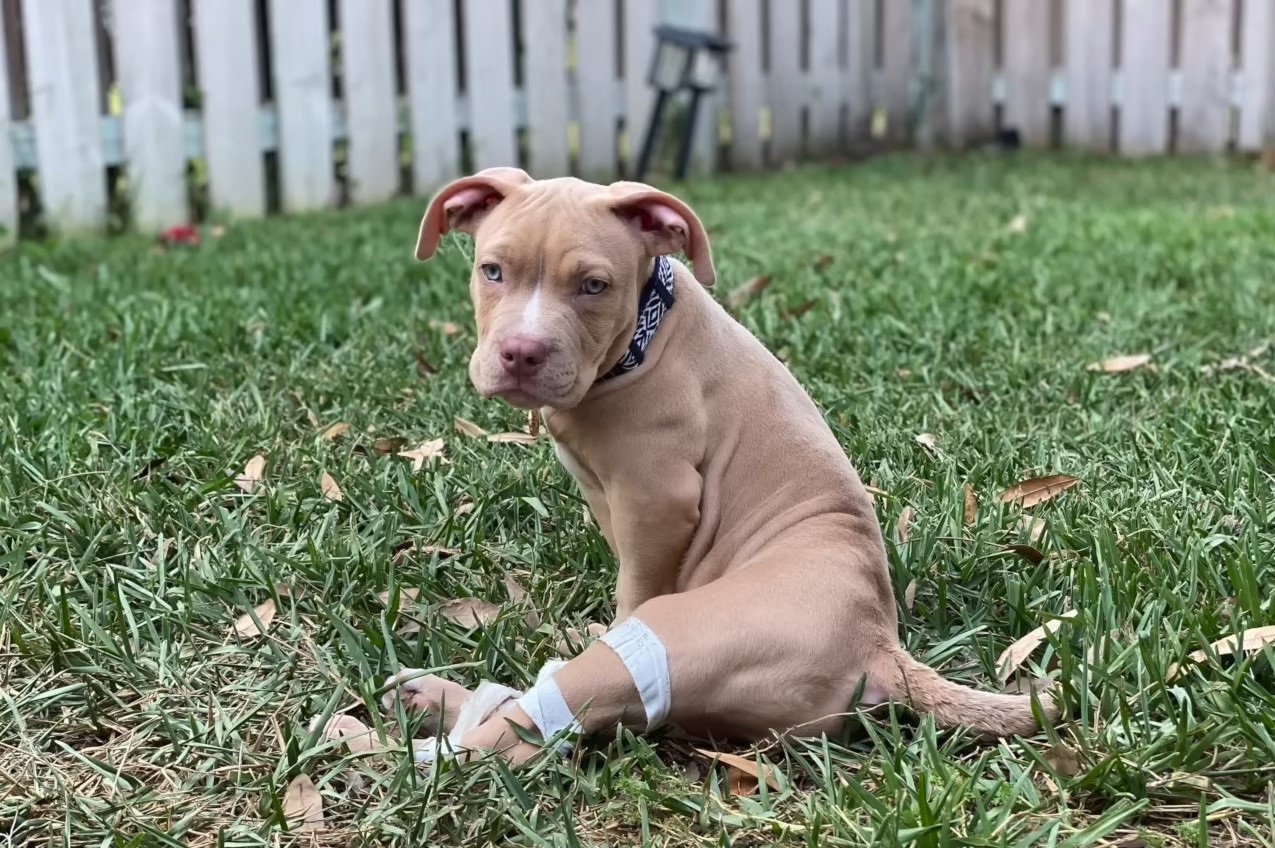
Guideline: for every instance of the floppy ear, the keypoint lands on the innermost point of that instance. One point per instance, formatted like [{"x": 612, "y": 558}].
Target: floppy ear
[
  {"x": 665, "y": 225},
  {"x": 462, "y": 204}
]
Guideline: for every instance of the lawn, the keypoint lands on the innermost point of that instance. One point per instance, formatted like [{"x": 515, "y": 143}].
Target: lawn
[{"x": 963, "y": 298}]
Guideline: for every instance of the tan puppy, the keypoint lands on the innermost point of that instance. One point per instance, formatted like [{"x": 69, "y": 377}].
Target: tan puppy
[{"x": 749, "y": 554}]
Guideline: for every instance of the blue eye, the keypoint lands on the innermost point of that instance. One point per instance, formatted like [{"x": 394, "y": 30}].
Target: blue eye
[
  {"x": 593, "y": 286},
  {"x": 492, "y": 272}
]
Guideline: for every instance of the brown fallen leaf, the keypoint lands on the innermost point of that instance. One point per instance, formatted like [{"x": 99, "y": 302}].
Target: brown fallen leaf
[
  {"x": 1252, "y": 640},
  {"x": 1063, "y": 760},
  {"x": 904, "y": 527},
  {"x": 408, "y": 595},
  {"x": 930, "y": 442},
  {"x": 745, "y": 292},
  {"x": 336, "y": 430},
  {"x": 303, "y": 806},
  {"x": 409, "y": 547},
  {"x": 1119, "y": 364},
  {"x": 447, "y": 328},
  {"x": 876, "y": 493},
  {"x": 253, "y": 472},
  {"x": 246, "y": 628},
  {"x": 1014, "y": 656},
  {"x": 533, "y": 423},
  {"x": 519, "y": 597},
  {"x": 909, "y": 594},
  {"x": 390, "y": 444},
  {"x": 971, "y": 504},
  {"x": 1018, "y": 224},
  {"x": 1027, "y": 552},
  {"x": 433, "y": 449},
  {"x": 823, "y": 262},
  {"x": 469, "y": 612},
  {"x": 354, "y": 734},
  {"x": 742, "y": 774},
  {"x": 330, "y": 489},
  {"x": 469, "y": 428},
  {"x": 514, "y": 438},
  {"x": 1034, "y": 528},
  {"x": 424, "y": 367},
  {"x": 1038, "y": 489},
  {"x": 801, "y": 308}
]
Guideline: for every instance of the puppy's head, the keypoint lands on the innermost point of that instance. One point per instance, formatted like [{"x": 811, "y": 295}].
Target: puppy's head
[{"x": 558, "y": 268}]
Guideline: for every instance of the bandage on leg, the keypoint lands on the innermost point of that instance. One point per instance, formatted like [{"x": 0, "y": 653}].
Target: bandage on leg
[{"x": 644, "y": 656}]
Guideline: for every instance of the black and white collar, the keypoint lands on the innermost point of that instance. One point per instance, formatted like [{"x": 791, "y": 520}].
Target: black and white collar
[{"x": 654, "y": 301}]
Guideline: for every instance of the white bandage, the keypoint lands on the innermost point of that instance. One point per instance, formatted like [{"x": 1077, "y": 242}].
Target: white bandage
[
  {"x": 487, "y": 698},
  {"x": 644, "y": 656},
  {"x": 548, "y": 710}
]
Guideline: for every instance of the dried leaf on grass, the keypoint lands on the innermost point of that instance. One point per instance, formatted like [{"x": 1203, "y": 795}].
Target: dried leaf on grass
[
  {"x": 513, "y": 438},
  {"x": 408, "y": 593},
  {"x": 409, "y": 547},
  {"x": 330, "y": 489},
  {"x": 533, "y": 423},
  {"x": 469, "y": 612},
  {"x": 909, "y": 595},
  {"x": 1018, "y": 224},
  {"x": 424, "y": 367},
  {"x": 433, "y": 449},
  {"x": 823, "y": 261},
  {"x": 801, "y": 308},
  {"x": 743, "y": 775},
  {"x": 903, "y": 529},
  {"x": 253, "y": 473},
  {"x": 518, "y": 596},
  {"x": 388, "y": 445},
  {"x": 745, "y": 292},
  {"x": 1120, "y": 364},
  {"x": 1014, "y": 656},
  {"x": 447, "y": 328},
  {"x": 1034, "y": 528},
  {"x": 303, "y": 806},
  {"x": 1249, "y": 641},
  {"x": 1063, "y": 760},
  {"x": 1027, "y": 552},
  {"x": 246, "y": 628},
  {"x": 468, "y": 428},
  {"x": 354, "y": 734},
  {"x": 1038, "y": 489},
  {"x": 336, "y": 430},
  {"x": 971, "y": 504}
]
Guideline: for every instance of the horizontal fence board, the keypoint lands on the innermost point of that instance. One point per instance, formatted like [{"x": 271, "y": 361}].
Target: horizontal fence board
[
  {"x": 226, "y": 52},
  {"x": 429, "y": 42},
  {"x": 1025, "y": 35},
  {"x": 1088, "y": 61},
  {"x": 8, "y": 169},
  {"x": 146, "y": 59},
  {"x": 489, "y": 74},
  {"x": 63, "y": 78},
  {"x": 1205, "y": 66},
  {"x": 1145, "y": 42},
  {"x": 1257, "y": 96},
  {"x": 367, "y": 64},
  {"x": 303, "y": 100},
  {"x": 744, "y": 82},
  {"x": 595, "y": 25},
  {"x": 545, "y": 82}
]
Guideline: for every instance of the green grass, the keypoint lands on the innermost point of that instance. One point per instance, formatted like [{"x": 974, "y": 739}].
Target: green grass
[{"x": 137, "y": 384}]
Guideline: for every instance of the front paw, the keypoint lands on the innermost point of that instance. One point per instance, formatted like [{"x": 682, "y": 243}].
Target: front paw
[{"x": 437, "y": 698}]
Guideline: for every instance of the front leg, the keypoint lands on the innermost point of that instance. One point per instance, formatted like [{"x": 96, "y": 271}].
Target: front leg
[{"x": 653, "y": 517}]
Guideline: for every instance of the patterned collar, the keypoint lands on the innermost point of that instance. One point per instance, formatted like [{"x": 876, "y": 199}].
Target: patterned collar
[{"x": 655, "y": 300}]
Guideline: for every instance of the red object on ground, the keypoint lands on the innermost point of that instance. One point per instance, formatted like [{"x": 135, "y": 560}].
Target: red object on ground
[{"x": 183, "y": 234}]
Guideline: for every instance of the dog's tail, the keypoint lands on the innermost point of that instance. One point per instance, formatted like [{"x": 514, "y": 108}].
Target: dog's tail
[{"x": 952, "y": 705}]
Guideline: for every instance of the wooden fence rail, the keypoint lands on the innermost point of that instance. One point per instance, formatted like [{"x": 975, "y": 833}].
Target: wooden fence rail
[{"x": 244, "y": 107}]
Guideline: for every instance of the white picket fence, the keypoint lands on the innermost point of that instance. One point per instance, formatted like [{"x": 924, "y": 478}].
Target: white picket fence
[{"x": 429, "y": 87}]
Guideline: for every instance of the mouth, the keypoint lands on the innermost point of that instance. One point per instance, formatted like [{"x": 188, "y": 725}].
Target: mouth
[{"x": 519, "y": 397}]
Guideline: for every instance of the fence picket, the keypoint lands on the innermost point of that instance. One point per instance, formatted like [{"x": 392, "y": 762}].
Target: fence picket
[
  {"x": 8, "y": 174},
  {"x": 1257, "y": 99},
  {"x": 145, "y": 39},
  {"x": 303, "y": 96},
  {"x": 638, "y": 29},
  {"x": 596, "y": 82},
  {"x": 826, "y": 78},
  {"x": 970, "y": 114},
  {"x": 896, "y": 68},
  {"x": 489, "y": 77},
  {"x": 1204, "y": 113},
  {"x": 367, "y": 63},
  {"x": 1145, "y": 41},
  {"x": 429, "y": 28},
  {"x": 1025, "y": 32},
  {"x": 225, "y": 34},
  {"x": 545, "y": 81},
  {"x": 787, "y": 86},
  {"x": 1087, "y": 63},
  {"x": 745, "y": 83},
  {"x": 63, "y": 79},
  {"x": 860, "y": 40}
]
